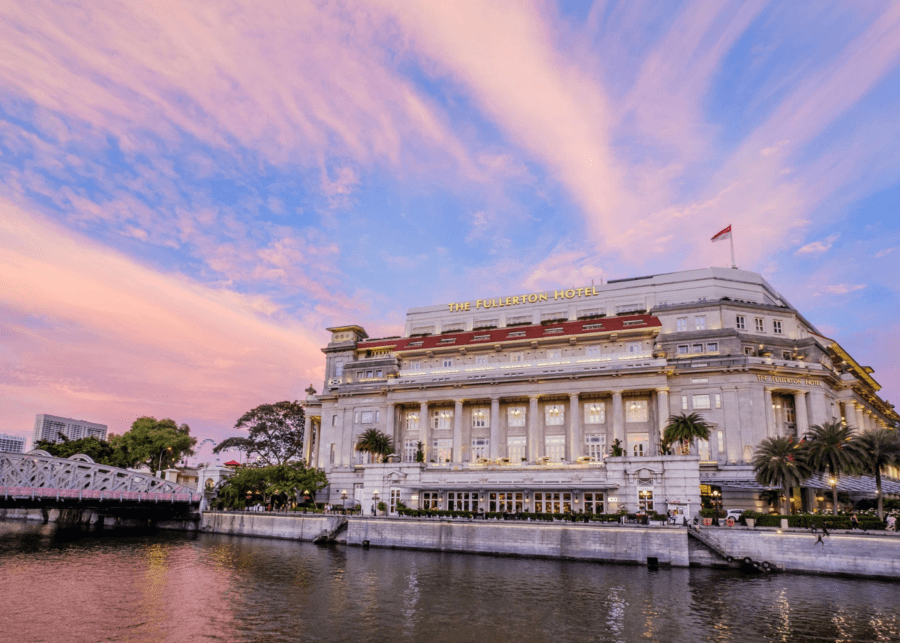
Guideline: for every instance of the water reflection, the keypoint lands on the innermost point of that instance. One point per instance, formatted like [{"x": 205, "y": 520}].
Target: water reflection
[{"x": 70, "y": 586}]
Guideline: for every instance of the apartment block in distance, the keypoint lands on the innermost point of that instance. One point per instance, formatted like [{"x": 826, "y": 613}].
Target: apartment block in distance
[
  {"x": 51, "y": 427},
  {"x": 12, "y": 443}
]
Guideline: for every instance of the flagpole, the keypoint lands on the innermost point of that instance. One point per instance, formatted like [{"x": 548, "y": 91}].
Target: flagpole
[{"x": 731, "y": 241}]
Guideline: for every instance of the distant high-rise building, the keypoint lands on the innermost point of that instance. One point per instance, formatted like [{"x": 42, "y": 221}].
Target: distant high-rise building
[
  {"x": 51, "y": 427},
  {"x": 12, "y": 443}
]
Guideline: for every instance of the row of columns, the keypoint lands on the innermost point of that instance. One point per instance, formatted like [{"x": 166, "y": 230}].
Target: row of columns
[
  {"x": 574, "y": 430},
  {"x": 809, "y": 407}
]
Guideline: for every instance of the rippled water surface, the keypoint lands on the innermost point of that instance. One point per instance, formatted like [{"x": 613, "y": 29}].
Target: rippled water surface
[{"x": 69, "y": 586}]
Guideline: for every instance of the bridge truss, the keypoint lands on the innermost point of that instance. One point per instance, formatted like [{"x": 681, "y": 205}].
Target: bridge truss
[{"x": 37, "y": 474}]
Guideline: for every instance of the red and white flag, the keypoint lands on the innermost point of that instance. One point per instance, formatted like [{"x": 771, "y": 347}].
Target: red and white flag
[{"x": 723, "y": 235}]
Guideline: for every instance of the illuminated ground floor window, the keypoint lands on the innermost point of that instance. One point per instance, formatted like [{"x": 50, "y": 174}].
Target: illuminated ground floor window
[
  {"x": 506, "y": 501},
  {"x": 431, "y": 500},
  {"x": 515, "y": 448},
  {"x": 552, "y": 501},
  {"x": 593, "y": 502},
  {"x": 462, "y": 501},
  {"x": 645, "y": 499}
]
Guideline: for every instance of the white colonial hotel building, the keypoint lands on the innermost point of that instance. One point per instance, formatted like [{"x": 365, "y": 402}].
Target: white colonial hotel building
[{"x": 518, "y": 400}]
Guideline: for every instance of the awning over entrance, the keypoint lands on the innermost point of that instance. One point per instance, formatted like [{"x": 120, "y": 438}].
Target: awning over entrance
[
  {"x": 852, "y": 484},
  {"x": 475, "y": 486}
]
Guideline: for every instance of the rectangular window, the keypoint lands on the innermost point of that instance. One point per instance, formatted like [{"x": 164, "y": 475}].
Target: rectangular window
[
  {"x": 377, "y": 416},
  {"x": 506, "y": 501},
  {"x": 776, "y": 326},
  {"x": 515, "y": 448},
  {"x": 414, "y": 366},
  {"x": 379, "y": 373},
  {"x": 517, "y": 357},
  {"x": 592, "y": 351},
  {"x": 412, "y": 420},
  {"x": 595, "y": 446},
  {"x": 593, "y": 502},
  {"x": 331, "y": 454},
  {"x": 638, "y": 444},
  {"x": 409, "y": 450},
  {"x": 481, "y": 360},
  {"x": 740, "y": 322},
  {"x": 447, "y": 362},
  {"x": 712, "y": 347},
  {"x": 431, "y": 500},
  {"x": 333, "y": 420},
  {"x": 633, "y": 347},
  {"x": 721, "y": 436},
  {"x": 683, "y": 349},
  {"x": 462, "y": 501},
  {"x": 785, "y": 354},
  {"x": 362, "y": 457},
  {"x": 516, "y": 333},
  {"x": 595, "y": 413},
  {"x": 369, "y": 375},
  {"x": 554, "y": 354},
  {"x": 442, "y": 450},
  {"x": 555, "y": 447},
  {"x": 355, "y": 417},
  {"x": 701, "y": 402},
  {"x": 681, "y": 324},
  {"x": 718, "y": 400},
  {"x": 700, "y": 322},
  {"x": 684, "y": 403},
  {"x": 554, "y": 415},
  {"x": 442, "y": 419},
  {"x": 645, "y": 500},
  {"x": 703, "y": 450},
  {"x": 552, "y": 502},
  {"x": 395, "y": 498},
  {"x": 748, "y": 350},
  {"x": 481, "y": 418},
  {"x": 480, "y": 449},
  {"x": 696, "y": 348},
  {"x": 515, "y": 416},
  {"x": 637, "y": 411},
  {"x": 367, "y": 417},
  {"x": 338, "y": 369},
  {"x": 759, "y": 325}
]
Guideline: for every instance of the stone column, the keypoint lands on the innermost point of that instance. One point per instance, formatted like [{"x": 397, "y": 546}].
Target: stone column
[
  {"x": 533, "y": 450},
  {"x": 391, "y": 427},
  {"x": 425, "y": 431},
  {"x": 618, "y": 419},
  {"x": 662, "y": 415},
  {"x": 800, "y": 410},
  {"x": 495, "y": 428},
  {"x": 457, "y": 432},
  {"x": 770, "y": 414},
  {"x": 817, "y": 407},
  {"x": 574, "y": 442},
  {"x": 307, "y": 439},
  {"x": 315, "y": 443}
]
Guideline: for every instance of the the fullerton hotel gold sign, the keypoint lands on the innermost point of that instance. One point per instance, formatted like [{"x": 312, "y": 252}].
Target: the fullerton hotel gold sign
[{"x": 518, "y": 300}]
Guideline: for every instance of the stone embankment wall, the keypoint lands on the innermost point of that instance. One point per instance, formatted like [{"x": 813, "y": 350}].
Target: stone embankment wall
[
  {"x": 582, "y": 542},
  {"x": 872, "y": 554},
  {"x": 268, "y": 525}
]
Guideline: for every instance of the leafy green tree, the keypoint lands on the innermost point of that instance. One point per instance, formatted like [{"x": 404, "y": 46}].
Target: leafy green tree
[
  {"x": 879, "y": 448},
  {"x": 420, "y": 452},
  {"x": 271, "y": 483},
  {"x": 156, "y": 443},
  {"x": 275, "y": 433},
  {"x": 686, "y": 428},
  {"x": 100, "y": 451},
  {"x": 829, "y": 448},
  {"x": 376, "y": 442},
  {"x": 780, "y": 462}
]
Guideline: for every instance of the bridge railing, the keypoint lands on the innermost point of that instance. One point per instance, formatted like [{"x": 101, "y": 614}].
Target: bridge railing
[{"x": 96, "y": 494}]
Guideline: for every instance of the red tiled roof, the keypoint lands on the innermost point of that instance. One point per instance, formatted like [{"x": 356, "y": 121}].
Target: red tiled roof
[{"x": 517, "y": 333}]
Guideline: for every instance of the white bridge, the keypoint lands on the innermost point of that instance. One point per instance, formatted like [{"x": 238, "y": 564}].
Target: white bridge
[{"x": 38, "y": 475}]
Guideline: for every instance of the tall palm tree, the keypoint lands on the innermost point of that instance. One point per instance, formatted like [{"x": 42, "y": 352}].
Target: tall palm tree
[
  {"x": 879, "y": 448},
  {"x": 686, "y": 428},
  {"x": 376, "y": 442},
  {"x": 779, "y": 462},
  {"x": 830, "y": 448}
]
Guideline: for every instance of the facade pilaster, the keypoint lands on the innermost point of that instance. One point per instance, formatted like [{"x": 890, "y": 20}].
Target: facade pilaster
[
  {"x": 801, "y": 411},
  {"x": 770, "y": 414},
  {"x": 391, "y": 427},
  {"x": 425, "y": 430},
  {"x": 458, "y": 431},
  {"x": 307, "y": 439},
  {"x": 662, "y": 417},
  {"x": 495, "y": 428},
  {"x": 533, "y": 451},
  {"x": 618, "y": 418},
  {"x": 573, "y": 445}
]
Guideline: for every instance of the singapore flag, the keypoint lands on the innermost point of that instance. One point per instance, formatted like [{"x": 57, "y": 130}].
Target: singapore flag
[{"x": 723, "y": 235}]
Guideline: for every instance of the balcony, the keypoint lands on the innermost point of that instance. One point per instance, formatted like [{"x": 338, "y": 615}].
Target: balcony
[{"x": 568, "y": 364}]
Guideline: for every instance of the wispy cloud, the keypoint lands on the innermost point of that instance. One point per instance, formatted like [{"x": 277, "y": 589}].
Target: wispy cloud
[
  {"x": 818, "y": 247},
  {"x": 843, "y": 289}
]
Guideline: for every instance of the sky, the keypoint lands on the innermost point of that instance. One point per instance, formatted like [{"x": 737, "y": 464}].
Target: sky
[{"x": 191, "y": 193}]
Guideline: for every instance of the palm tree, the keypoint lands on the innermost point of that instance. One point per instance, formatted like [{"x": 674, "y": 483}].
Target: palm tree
[
  {"x": 778, "y": 462},
  {"x": 879, "y": 448},
  {"x": 376, "y": 442},
  {"x": 830, "y": 448},
  {"x": 686, "y": 427}
]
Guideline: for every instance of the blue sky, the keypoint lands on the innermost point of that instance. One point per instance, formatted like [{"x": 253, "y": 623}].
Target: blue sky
[{"x": 190, "y": 194}]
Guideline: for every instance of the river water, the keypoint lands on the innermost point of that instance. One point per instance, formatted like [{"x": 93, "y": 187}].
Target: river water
[{"x": 69, "y": 586}]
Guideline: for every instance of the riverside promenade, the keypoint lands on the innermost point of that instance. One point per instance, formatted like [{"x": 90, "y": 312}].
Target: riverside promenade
[{"x": 870, "y": 554}]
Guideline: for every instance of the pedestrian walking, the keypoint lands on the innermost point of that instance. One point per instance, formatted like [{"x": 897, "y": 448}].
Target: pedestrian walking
[
  {"x": 892, "y": 523},
  {"x": 819, "y": 541},
  {"x": 854, "y": 522}
]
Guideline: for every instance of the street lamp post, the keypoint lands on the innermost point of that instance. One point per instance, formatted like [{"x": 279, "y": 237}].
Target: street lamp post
[
  {"x": 159, "y": 466},
  {"x": 375, "y": 499}
]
